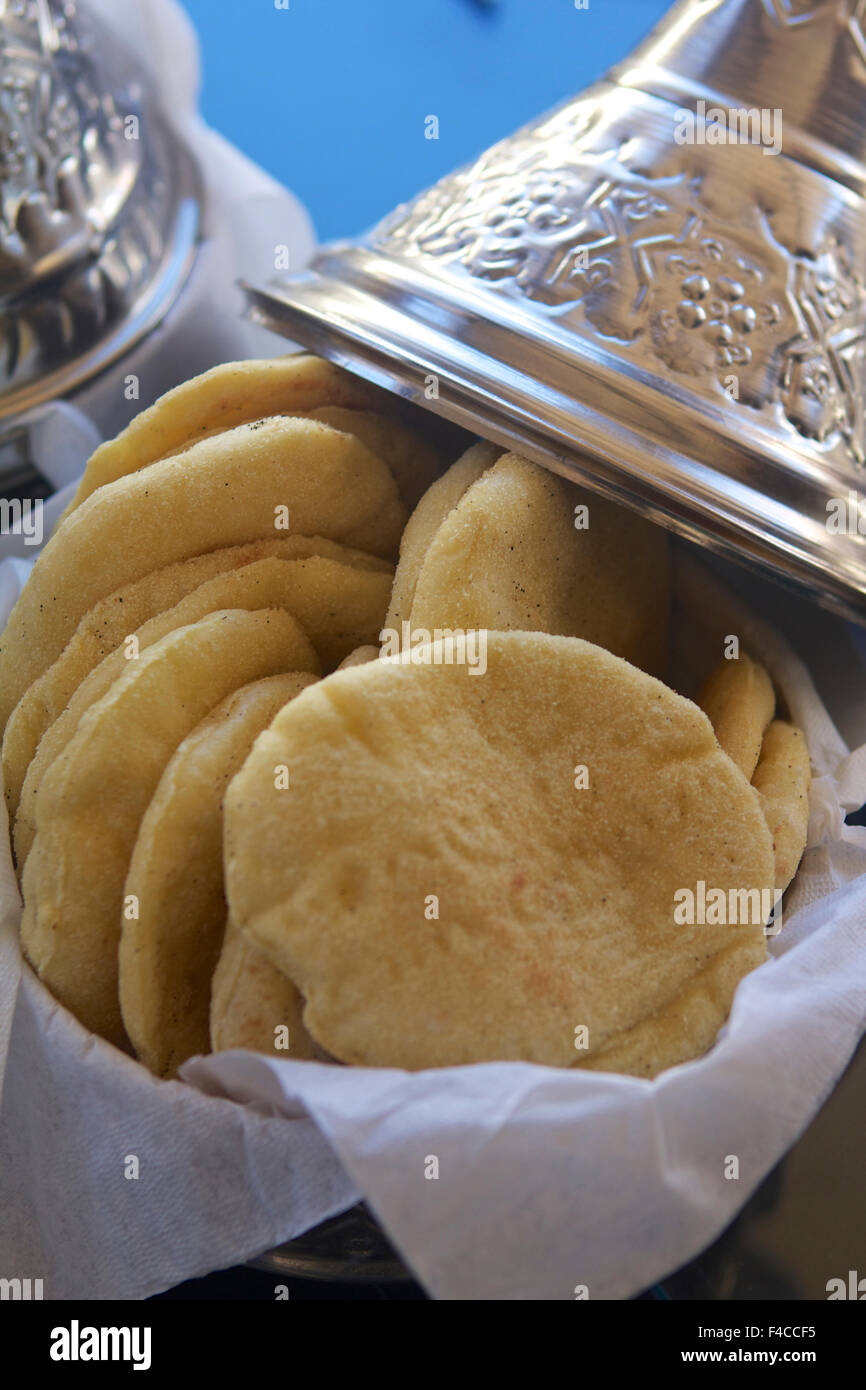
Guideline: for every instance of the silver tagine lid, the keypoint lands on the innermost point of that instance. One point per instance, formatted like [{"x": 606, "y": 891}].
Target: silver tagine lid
[
  {"x": 99, "y": 201},
  {"x": 658, "y": 288}
]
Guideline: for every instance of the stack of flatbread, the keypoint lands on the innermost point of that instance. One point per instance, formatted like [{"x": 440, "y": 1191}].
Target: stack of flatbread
[{"x": 268, "y": 790}]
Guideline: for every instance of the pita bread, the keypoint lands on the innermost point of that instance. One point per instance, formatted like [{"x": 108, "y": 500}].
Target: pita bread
[
  {"x": 93, "y": 799},
  {"x": 169, "y": 950},
  {"x": 474, "y": 903},
  {"x": 234, "y": 488}
]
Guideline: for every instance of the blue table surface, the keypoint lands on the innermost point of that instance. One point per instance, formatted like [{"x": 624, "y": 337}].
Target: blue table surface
[{"x": 331, "y": 96}]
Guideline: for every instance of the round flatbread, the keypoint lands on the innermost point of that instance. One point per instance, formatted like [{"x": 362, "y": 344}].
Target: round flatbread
[
  {"x": 107, "y": 623},
  {"x": 236, "y": 487},
  {"x": 471, "y": 868},
  {"x": 523, "y": 549},
  {"x": 268, "y": 583},
  {"x": 439, "y": 499},
  {"x": 782, "y": 780},
  {"x": 254, "y": 1006},
  {"x": 233, "y": 393},
  {"x": 414, "y": 462},
  {"x": 739, "y": 700},
  {"x": 93, "y": 799},
  {"x": 170, "y": 946}
]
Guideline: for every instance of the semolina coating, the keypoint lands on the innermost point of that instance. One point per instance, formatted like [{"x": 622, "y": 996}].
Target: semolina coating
[
  {"x": 782, "y": 780},
  {"x": 169, "y": 949},
  {"x": 238, "y": 486},
  {"x": 509, "y": 556},
  {"x": 108, "y": 622},
  {"x": 252, "y": 1003},
  {"x": 468, "y": 868},
  {"x": 93, "y": 799},
  {"x": 432, "y": 509},
  {"x": 739, "y": 700},
  {"x": 230, "y": 394}
]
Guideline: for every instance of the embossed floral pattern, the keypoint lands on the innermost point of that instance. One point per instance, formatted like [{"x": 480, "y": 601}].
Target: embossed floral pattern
[{"x": 643, "y": 263}]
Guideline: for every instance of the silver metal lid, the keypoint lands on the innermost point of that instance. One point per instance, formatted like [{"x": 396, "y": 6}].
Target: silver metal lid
[
  {"x": 657, "y": 289},
  {"x": 98, "y": 201}
]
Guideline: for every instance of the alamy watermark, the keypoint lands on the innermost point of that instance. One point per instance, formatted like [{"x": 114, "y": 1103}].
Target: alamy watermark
[
  {"x": 77, "y": 1343},
  {"x": 721, "y": 125},
  {"x": 719, "y": 907},
  {"x": 22, "y": 517},
  {"x": 439, "y": 646},
  {"x": 846, "y": 516},
  {"x": 21, "y": 1290}
]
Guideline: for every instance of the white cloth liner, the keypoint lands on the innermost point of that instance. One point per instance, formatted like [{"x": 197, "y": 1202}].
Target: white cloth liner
[{"x": 547, "y": 1179}]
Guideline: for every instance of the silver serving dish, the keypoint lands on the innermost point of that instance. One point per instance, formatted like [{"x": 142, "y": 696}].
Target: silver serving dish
[
  {"x": 657, "y": 289},
  {"x": 349, "y": 1248},
  {"x": 99, "y": 202}
]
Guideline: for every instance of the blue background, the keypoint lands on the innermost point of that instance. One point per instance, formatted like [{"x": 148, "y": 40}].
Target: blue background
[{"x": 330, "y": 96}]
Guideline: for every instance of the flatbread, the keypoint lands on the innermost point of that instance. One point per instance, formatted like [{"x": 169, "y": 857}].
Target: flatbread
[
  {"x": 107, "y": 623},
  {"x": 782, "y": 780},
  {"x": 414, "y": 462},
  {"x": 739, "y": 701},
  {"x": 233, "y": 393},
  {"x": 226, "y": 490},
  {"x": 509, "y": 556},
  {"x": 169, "y": 949},
  {"x": 268, "y": 583},
  {"x": 253, "y": 1005},
  {"x": 94, "y": 797},
  {"x": 439, "y": 499},
  {"x": 471, "y": 902}
]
